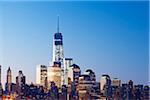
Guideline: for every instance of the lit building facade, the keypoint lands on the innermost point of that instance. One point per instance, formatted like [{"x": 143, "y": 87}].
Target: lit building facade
[
  {"x": 105, "y": 80},
  {"x": 105, "y": 86},
  {"x": 116, "y": 88},
  {"x": 67, "y": 64},
  {"x": 87, "y": 85},
  {"x": 58, "y": 52},
  {"x": 41, "y": 75},
  {"x": 116, "y": 82},
  {"x": 54, "y": 74},
  {"x": 84, "y": 87}
]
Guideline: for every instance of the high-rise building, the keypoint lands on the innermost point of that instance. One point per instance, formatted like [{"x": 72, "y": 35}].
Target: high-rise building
[
  {"x": 8, "y": 86},
  {"x": 20, "y": 83},
  {"x": 91, "y": 74},
  {"x": 105, "y": 80},
  {"x": 115, "y": 87},
  {"x": 105, "y": 86},
  {"x": 146, "y": 95},
  {"x": 54, "y": 74},
  {"x": 20, "y": 79},
  {"x": 85, "y": 86},
  {"x": 116, "y": 82},
  {"x": 67, "y": 65},
  {"x": 9, "y": 76},
  {"x": 74, "y": 73},
  {"x": 41, "y": 75},
  {"x": 58, "y": 52}
]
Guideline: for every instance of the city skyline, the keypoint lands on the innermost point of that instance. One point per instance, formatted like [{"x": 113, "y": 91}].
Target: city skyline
[{"x": 116, "y": 39}]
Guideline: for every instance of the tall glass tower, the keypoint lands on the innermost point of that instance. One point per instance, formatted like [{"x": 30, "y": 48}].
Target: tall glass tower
[{"x": 58, "y": 52}]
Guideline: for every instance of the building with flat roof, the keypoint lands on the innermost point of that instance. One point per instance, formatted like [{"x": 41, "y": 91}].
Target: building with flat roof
[
  {"x": 54, "y": 75},
  {"x": 41, "y": 74}
]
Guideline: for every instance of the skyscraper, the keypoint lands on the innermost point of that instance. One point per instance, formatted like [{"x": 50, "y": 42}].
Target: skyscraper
[
  {"x": 91, "y": 74},
  {"x": 58, "y": 52},
  {"x": 54, "y": 74},
  {"x": 105, "y": 86},
  {"x": 105, "y": 80},
  {"x": 116, "y": 82},
  {"x": 9, "y": 76},
  {"x": 67, "y": 65},
  {"x": 20, "y": 79},
  {"x": 85, "y": 86},
  {"x": 20, "y": 83},
  {"x": 74, "y": 73},
  {"x": 41, "y": 74},
  {"x": 8, "y": 86}
]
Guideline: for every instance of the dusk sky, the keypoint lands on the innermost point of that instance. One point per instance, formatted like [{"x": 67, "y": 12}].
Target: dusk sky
[{"x": 108, "y": 37}]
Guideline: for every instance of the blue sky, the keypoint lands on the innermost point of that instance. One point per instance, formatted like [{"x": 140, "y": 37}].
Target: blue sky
[{"x": 108, "y": 37}]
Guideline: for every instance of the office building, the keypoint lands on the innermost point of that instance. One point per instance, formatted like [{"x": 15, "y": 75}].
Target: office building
[
  {"x": 116, "y": 82},
  {"x": 8, "y": 85},
  {"x": 20, "y": 79},
  {"x": 9, "y": 76},
  {"x": 105, "y": 86},
  {"x": 67, "y": 64},
  {"x": 105, "y": 80},
  {"x": 58, "y": 52},
  {"x": 146, "y": 91},
  {"x": 91, "y": 74},
  {"x": 116, "y": 87},
  {"x": 54, "y": 74},
  {"x": 41, "y": 75},
  {"x": 74, "y": 73},
  {"x": 84, "y": 87},
  {"x": 20, "y": 84}
]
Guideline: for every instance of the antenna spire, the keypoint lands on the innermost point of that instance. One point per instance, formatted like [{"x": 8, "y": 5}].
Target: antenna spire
[{"x": 58, "y": 24}]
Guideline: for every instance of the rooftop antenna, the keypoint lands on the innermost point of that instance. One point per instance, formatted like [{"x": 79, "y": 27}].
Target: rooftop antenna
[{"x": 58, "y": 24}]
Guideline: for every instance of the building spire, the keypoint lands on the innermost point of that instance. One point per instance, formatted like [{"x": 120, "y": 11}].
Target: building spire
[
  {"x": 9, "y": 68},
  {"x": 58, "y": 24}
]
